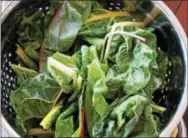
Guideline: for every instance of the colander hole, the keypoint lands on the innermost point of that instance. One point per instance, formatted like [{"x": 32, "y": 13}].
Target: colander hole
[
  {"x": 166, "y": 75},
  {"x": 10, "y": 70},
  {"x": 9, "y": 63},
  {"x": 117, "y": 8},
  {"x": 169, "y": 72},
  {"x": 47, "y": 8},
  {"x": 10, "y": 54},
  {"x": 163, "y": 96},
  {"x": 6, "y": 106},
  {"x": 10, "y": 109},
  {"x": 111, "y": 3},
  {"x": 14, "y": 86},
  {"x": 124, "y": 9},
  {"x": 9, "y": 84},
  {"x": 3, "y": 73},
  {"x": 40, "y": 9},
  {"x": 162, "y": 91},
  {"x": 110, "y": 8},
  {"x": 6, "y": 60},
  {"x": 5, "y": 82},
  {"x": 168, "y": 80},
  {"x": 11, "y": 78},
  {"x": 5, "y": 55},
  {"x": 118, "y": 3},
  {"x": 48, "y": 12},
  {"x": 159, "y": 48},
  {"x": 166, "y": 89},
  {"x": 6, "y": 68},
  {"x": 7, "y": 76},
  {"x": 2, "y": 80},
  {"x": 6, "y": 96}
]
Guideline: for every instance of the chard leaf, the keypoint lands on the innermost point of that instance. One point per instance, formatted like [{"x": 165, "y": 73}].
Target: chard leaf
[
  {"x": 77, "y": 57},
  {"x": 30, "y": 29},
  {"x": 97, "y": 41},
  {"x": 125, "y": 115},
  {"x": 93, "y": 30},
  {"x": 124, "y": 55},
  {"x": 59, "y": 37},
  {"x": 64, "y": 127},
  {"x": 95, "y": 90},
  {"x": 65, "y": 124},
  {"x": 30, "y": 49},
  {"x": 24, "y": 99},
  {"x": 96, "y": 79},
  {"x": 153, "y": 84},
  {"x": 23, "y": 73},
  {"x": 147, "y": 125}
]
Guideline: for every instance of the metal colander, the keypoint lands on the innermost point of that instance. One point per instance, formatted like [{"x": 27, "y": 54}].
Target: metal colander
[{"x": 171, "y": 39}]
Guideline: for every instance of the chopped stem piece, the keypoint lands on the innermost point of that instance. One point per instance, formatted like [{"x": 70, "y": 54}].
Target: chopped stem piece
[
  {"x": 61, "y": 67},
  {"x": 39, "y": 131}
]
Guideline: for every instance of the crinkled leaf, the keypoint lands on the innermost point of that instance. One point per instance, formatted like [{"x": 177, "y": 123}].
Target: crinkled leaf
[
  {"x": 121, "y": 121},
  {"x": 25, "y": 98},
  {"x": 65, "y": 124},
  {"x": 23, "y": 73},
  {"x": 64, "y": 127},
  {"x": 147, "y": 125}
]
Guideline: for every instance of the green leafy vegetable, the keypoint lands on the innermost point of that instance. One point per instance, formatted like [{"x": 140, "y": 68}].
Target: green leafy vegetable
[
  {"x": 25, "y": 98},
  {"x": 65, "y": 25},
  {"x": 65, "y": 122},
  {"x": 97, "y": 67},
  {"x": 23, "y": 73},
  {"x": 124, "y": 117}
]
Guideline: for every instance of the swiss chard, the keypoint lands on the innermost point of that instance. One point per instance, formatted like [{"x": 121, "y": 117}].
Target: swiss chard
[
  {"x": 124, "y": 117},
  {"x": 65, "y": 25},
  {"x": 65, "y": 123},
  {"x": 25, "y": 98},
  {"x": 23, "y": 73}
]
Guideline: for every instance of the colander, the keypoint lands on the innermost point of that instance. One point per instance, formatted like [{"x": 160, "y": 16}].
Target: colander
[{"x": 171, "y": 39}]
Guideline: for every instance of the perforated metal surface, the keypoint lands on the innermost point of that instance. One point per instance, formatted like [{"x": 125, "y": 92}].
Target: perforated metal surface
[{"x": 168, "y": 41}]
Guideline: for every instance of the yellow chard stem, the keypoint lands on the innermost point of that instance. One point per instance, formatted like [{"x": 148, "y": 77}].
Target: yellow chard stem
[
  {"x": 51, "y": 117},
  {"x": 108, "y": 14}
]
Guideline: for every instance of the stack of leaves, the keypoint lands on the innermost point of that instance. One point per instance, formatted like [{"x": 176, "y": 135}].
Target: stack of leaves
[{"x": 107, "y": 82}]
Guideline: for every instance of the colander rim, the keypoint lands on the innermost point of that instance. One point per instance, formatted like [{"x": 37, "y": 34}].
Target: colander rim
[{"x": 176, "y": 118}]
